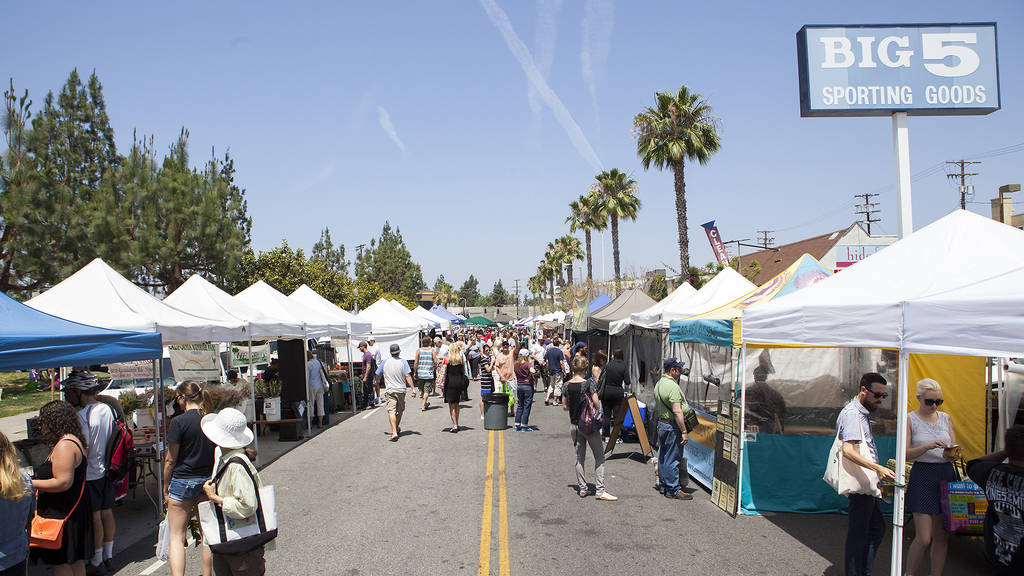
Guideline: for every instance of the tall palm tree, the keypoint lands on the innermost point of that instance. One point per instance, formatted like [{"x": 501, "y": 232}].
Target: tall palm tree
[
  {"x": 569, "y": 250},
  {"x": 679, "y": 127},
  {"x": 548, "y": 272},
  {"x": 583, "y": 215},
  {"x": 618, "y": 201}
]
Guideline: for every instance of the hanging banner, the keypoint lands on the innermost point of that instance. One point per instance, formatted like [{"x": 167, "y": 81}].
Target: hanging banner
[
  {"x": 131, "y": 370},
  {"x": 716, "y": 242},
  {"x": 240, "y": 354},
  {"x": 199, "y": 362}
]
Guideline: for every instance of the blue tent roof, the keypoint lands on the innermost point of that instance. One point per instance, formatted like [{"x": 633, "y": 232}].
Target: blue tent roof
[
  {"x": 598, "y": 303},
  {"x": 444, "y": 313},
  {"x": 33, "y": 339}
]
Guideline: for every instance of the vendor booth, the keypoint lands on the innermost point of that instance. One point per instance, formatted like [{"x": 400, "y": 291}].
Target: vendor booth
[
  {"x": 708, "y": 343},
  {"x": 597, "y": 323},
  {"x": 442, "y": 312},
  {"x": 389, "y": 326},
  {"x": 437, "y": 321},
  {"x": 952, "y": 287}
]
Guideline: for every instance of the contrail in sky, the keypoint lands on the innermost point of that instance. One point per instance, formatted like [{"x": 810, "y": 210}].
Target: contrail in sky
[
  {"x": 385, "y": 122},
  {"x": 544, "y": 41},
  {"x": 598, "y": 20},
  {"x": 519, "y": 50}
]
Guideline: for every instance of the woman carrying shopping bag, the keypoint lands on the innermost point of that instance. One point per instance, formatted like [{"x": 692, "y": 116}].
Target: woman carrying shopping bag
[{"x": 236, "y": 493}]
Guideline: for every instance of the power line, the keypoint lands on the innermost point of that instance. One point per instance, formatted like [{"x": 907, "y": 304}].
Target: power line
[
  {"x": 964, "y": 191},
  {"x": 766, "y": 240},
  {"x": 867, "y": 209}
]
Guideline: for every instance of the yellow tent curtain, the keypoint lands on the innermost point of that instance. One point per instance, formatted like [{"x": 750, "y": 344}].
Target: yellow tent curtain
[{"x": 963, "y": 388}]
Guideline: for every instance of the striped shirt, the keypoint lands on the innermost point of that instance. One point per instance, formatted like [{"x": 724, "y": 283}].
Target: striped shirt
[
  {"x": 425, "y": 367},
  {"x": 486, "y": 376}
]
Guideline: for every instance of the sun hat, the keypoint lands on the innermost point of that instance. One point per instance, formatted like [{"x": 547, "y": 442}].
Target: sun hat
[
  {"x": 227, "y": 429},
  {"x": 524, "y": 352},
  {"x": 80, "y": 380}
]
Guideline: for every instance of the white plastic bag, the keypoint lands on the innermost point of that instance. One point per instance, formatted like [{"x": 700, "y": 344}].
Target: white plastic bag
[{"x": 163, "y": 541}]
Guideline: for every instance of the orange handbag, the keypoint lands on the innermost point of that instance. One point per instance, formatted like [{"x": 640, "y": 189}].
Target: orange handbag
[{"x": 48, "y": 533}]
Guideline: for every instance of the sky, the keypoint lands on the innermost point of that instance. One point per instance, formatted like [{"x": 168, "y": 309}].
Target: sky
[{"x": 470, "y": 125}]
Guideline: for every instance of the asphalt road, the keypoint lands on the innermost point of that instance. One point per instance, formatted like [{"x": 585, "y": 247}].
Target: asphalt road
[{"x": 350, "y": 502}]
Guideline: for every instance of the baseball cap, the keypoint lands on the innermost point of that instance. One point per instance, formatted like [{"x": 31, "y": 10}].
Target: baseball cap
[
  {"x": 395, "y": 349},
  {"x": 524, "y": 352},
  {"x": 673, "y": 362}
]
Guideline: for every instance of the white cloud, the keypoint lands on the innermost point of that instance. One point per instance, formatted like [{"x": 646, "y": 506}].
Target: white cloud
[
  {"x": 533, "y": 74},
  {"x": 598, "y": 21},
  {"x": 544, "y": 40},
  {"x": 385, "y": 122}
]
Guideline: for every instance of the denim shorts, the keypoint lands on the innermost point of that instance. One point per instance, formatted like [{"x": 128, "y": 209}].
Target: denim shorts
[{"x": 186, "y": 489}]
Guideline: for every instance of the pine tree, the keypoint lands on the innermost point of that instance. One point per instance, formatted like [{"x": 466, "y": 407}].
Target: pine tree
[
  {"x": 470, "y": 291},
  {"x": 388, "y": 263},
  {"x": 332, "y": 257},
  {"x": 18, "y": 183},
  {"x": 499, "y": 296}
]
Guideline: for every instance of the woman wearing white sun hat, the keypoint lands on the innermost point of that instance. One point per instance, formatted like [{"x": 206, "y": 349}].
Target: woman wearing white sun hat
[{"x": 234, "y": 492}]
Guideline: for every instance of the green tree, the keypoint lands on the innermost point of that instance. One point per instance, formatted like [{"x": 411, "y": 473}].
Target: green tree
[
  {"x": 18, "y": 185},
  {"x": 499, "y": 296},
  {"x": 332, "y": 256},
  {"x": 585, "y": 214},
  {"x": 444, "y": 293},
  {"x": 657, "y": 288},
  {"x": 72, "y": 148},
  {"x": 679, "y": 127},
  {"x": 470, "y": 291},
  {"x": 617, "y": 201},
  {"x": 699, "y": 276},
  {"x": 388, "y": 263}
]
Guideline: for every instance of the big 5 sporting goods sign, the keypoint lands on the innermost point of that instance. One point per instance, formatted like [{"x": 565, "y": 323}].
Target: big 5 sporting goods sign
[{"x": 921, "y": 69}]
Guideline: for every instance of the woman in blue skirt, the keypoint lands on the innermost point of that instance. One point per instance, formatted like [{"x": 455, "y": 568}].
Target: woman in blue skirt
[{"x": 929, "y": 432}]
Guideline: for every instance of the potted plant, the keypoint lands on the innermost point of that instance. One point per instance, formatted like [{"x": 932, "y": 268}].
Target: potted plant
[
  {"x": 131, "y": 402},
  {"x": 270, "y": 392}
]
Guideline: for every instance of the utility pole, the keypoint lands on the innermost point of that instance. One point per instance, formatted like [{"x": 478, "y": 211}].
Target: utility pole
[
  {"x": 517, "y": 298},
  {"x": 766, "y": 240},
  {"x": 867, "y": 209},
  {"x": 962, "y": 175},
  {"x": 355, "y": 284}
]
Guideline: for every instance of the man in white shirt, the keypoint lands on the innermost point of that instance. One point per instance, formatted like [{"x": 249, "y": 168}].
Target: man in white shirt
[
  {"x": 315, "y": 379},
  {"x": 97, "y": 421},
  {"x": 379, "y": 359},
  {"x": 396, "y": 376}
]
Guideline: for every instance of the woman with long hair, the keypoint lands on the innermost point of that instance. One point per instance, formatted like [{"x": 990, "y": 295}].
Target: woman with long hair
[
  {"x": 524, "y": 390},
  {"x": 17, "y": 501},
  {"x": 426, "y": 367},
  {"x": 574, "y": 400},
  {"x": 456, "y": 382},
  {"x": 60, "y": 484},
  {"x": 187, "y": 466},
  {"x": 597, "y": 364},
  {"x": 929, "y": 431}
]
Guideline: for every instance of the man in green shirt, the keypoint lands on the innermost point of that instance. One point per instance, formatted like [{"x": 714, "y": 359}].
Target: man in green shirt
[{"x": 670, "y": 407}]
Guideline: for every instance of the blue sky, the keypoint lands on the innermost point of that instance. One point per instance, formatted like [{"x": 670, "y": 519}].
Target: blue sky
[{"x": 344, "y": 114}]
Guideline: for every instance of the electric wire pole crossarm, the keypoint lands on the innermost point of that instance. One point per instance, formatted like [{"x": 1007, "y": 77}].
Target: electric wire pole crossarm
[{"x": 962, "y": 175}]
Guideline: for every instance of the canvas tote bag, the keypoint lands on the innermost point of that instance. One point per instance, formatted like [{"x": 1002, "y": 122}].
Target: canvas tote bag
[
  {"x": 228, "y": 536},
  {"x": 848, "y": 477}
]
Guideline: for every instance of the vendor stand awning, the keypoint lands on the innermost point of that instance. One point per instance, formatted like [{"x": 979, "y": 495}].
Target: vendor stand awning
[
  {"x": 658, "y": 315},
  {"x": 480, "y": 321},
  {"x": 198, "y": 296},
  {"x": 33, "y": 339},
  {"x": 630, "y": 301},
  {"x": 312, "y": 299},
  {"x": 443, "y": 312}
]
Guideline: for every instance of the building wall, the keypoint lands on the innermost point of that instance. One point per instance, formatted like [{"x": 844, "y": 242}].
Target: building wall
[{"x": 853, "y": 245}]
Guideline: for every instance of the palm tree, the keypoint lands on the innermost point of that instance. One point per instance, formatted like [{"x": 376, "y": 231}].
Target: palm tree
[
  {"x": 680, "y": 127},
  {"x": 617, "y": 201},
  {"x": 583, "y": 214},
  {"x": 547, "y": 272},
  {"x": 569, "y": 250}
]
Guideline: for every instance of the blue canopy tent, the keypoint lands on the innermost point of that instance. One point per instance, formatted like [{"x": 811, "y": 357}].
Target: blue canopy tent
[
  {"x": 33, "y": 339},
  {"x": 444, "y": 313},
  {"x": 598, "y": 303}
]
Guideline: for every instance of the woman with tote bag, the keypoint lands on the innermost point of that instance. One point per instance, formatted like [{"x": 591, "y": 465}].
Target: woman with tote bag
[{"x": 237, "y": 498}]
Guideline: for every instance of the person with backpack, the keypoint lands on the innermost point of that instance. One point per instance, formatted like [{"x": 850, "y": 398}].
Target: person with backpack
[
  {"x": 120, "y": 448},
  {"x": 97, "y": 421},
  {"x": 579, "y": 398},
  {"x": 187, "y": 466}
]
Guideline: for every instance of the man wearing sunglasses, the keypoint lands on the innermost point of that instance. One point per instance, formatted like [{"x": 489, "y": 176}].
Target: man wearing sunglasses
[{"x": 866, "y": 528}]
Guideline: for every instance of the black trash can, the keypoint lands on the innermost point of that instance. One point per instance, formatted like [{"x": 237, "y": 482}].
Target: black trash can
[{"x": 495, "y": 411}]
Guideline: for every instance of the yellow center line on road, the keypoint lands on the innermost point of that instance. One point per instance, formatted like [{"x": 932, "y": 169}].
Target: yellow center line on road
[
  {"x": 503, "y": 564},
  {"x": 485, "y": 521}
]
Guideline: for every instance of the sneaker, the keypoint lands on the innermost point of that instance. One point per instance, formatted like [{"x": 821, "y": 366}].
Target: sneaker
[
  {"x": 515, "y": 428},
  {"x": 608, "y": 497},
  {"x": 528, "y": 428},
  {"x": 109, "y": 563}
]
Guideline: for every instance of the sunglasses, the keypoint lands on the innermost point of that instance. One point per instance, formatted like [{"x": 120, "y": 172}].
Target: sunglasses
[
  {"x": 879, "y": 394},
  {"x": 935, "y": 402}
]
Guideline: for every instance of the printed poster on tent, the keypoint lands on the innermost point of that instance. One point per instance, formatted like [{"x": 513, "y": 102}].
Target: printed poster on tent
[
  {"x": 240, "y": 354},
  {"x": 130, "y": 370},
  {"x": 198, "y": 362}
]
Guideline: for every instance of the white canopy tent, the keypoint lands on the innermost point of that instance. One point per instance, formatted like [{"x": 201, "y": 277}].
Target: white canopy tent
[
  {"x": 952, "y": 287},
  {"x": 391, "y": 326},
  {"x": 673, "y": 306},
  {"x": 268, "y": 300},
  {"x": 429, "y": 316},
  {"x": 198, "y": 296},
  {"x": 423, "y": 322},
  {"x": 98, "y": 296},
  {"x": 310, "y": 298}
]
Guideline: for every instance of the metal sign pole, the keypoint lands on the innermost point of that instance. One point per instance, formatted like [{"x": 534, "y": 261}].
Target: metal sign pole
[
  {"x": 901, "y": 154},
  {"x": 158, "y": 411},
  {"x": 351, "y": 374}
]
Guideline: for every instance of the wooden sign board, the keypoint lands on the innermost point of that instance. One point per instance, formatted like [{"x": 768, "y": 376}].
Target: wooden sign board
[{"x": 638, "y": 422}]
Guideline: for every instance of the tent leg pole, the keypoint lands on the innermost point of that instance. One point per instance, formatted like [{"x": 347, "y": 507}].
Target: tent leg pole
[
  {"x": 351, "y": 374},
  {"x": 158, "y": 410},
  {"x": 252, "y": 397},
  {"x": 743, "y": 424},
  {"x": 305, "y": 373},
  {"x": 896, "y": 565}
]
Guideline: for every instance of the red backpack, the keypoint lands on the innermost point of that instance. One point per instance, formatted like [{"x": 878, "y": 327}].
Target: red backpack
[{"x": 120, "y": 450}]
